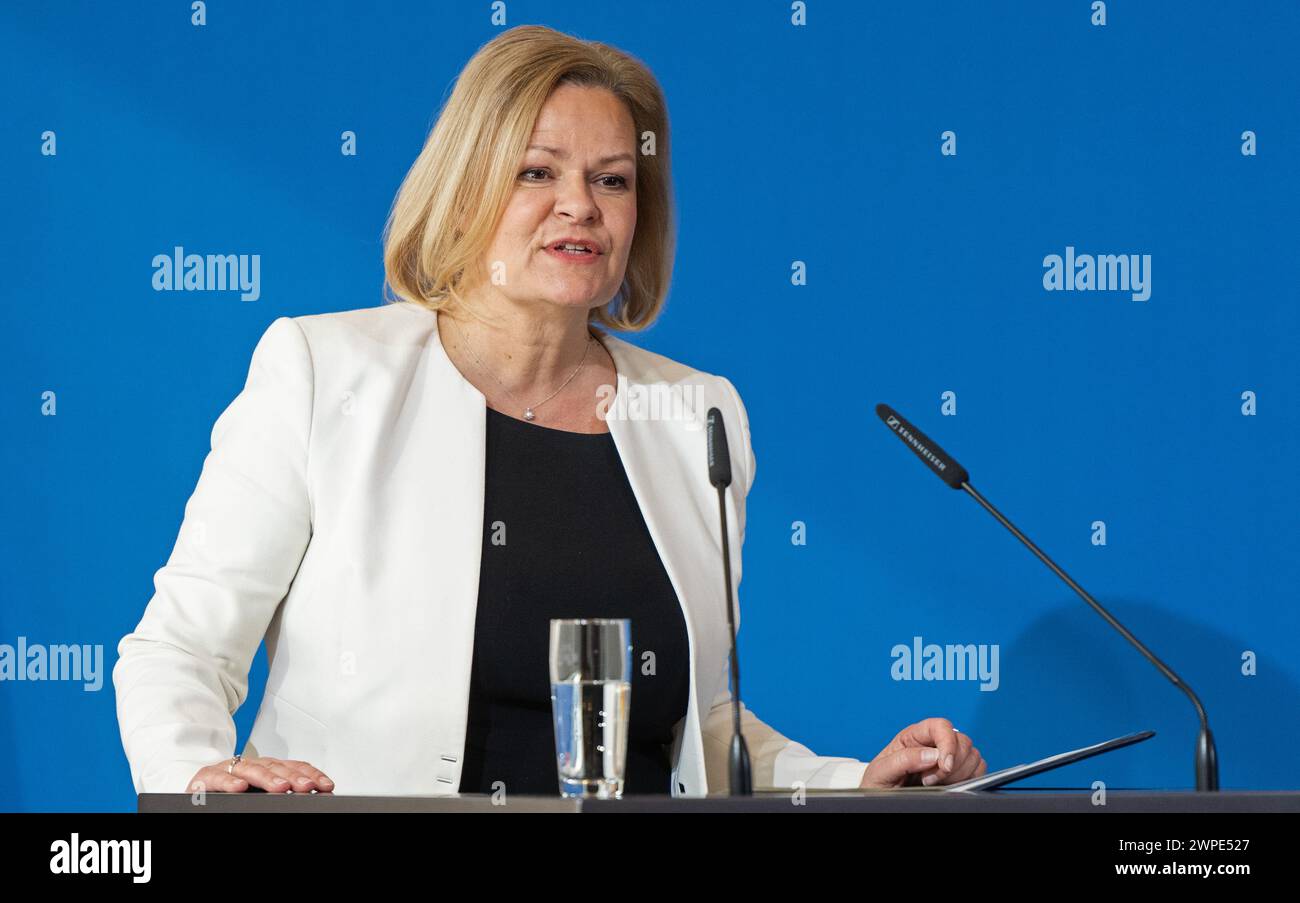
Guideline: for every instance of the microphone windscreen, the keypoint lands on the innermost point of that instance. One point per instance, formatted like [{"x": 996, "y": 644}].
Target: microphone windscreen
[
  {"x": 934, "y": 457},
  {"x": 719, "y": 456}
]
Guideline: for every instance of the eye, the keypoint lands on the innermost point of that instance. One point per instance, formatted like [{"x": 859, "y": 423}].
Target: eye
[{"x": 610, "y": 181}]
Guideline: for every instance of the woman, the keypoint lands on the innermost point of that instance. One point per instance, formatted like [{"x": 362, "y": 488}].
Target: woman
[{"x": 402, "y": 497}]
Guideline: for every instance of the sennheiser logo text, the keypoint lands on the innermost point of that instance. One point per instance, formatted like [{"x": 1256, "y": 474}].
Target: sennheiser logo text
[{"x": 911, "y": 440}]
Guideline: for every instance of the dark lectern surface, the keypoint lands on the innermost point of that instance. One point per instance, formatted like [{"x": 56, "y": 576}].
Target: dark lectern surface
[{"x": 1006, "y": 800}]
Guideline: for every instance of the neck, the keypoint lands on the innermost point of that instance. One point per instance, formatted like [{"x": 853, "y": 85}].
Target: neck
[{"x": 529, "y": 350}]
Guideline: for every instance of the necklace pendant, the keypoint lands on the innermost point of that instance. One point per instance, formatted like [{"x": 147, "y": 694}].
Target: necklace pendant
[{"x": 528, "y": 414}]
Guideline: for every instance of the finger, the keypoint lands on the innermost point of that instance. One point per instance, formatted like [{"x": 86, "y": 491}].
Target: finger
[
  {"x": 896, "y": 766},
  {"x": 216, "y": 780},
  {"x": 972, "y": 766},
  {"x": 260, "y": 776},
  {"x": 964, "y": 747},
  {"x": 322, "y": 780},
  {"x": 965, "y": 769},
  {"x": 299, "y": 780},
  {"x": 962, "y": 766},
  {"x": 938, "y": 732}
]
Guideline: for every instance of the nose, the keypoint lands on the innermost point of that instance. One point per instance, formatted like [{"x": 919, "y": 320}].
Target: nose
[{"x": 574, "y": 200}]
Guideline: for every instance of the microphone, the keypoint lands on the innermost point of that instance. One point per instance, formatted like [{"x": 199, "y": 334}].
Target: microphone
[
  {"x": 720, "y": 477},
  {"x": 947, "y": 469}
]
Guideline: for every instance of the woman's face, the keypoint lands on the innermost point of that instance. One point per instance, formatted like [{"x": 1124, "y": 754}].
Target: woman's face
[{"x": 576, "y": 181}]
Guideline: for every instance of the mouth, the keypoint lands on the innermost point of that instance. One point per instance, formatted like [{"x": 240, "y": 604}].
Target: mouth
[{"x": 575, "y": 247}]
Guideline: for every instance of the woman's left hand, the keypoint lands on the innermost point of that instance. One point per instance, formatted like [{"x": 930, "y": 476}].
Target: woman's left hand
[{"x": 928, "y": 752}]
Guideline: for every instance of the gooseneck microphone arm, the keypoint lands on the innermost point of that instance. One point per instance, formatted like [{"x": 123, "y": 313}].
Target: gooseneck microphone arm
[
  {"x": 956, "y": 476},
  {"x": 739, "y": 752},
  {"x": 739, "y": 770},
  {"x": 1096, "y": 606}
]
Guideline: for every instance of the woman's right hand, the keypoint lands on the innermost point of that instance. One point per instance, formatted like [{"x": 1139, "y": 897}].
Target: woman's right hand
[{"x": 271, "y": 775}]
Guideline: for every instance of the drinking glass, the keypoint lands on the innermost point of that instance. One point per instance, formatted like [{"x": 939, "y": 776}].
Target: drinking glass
[{"x": 591, "y": 696}]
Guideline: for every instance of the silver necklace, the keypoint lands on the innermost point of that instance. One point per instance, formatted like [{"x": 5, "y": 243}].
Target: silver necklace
[{"x": 530, "y": 411}]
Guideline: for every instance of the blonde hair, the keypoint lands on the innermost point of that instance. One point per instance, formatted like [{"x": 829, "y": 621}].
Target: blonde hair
[{"x": 449, "y": 205}]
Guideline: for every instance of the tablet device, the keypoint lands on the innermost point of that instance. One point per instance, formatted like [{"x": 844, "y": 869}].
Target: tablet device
[{"x": 996, "y": 779}]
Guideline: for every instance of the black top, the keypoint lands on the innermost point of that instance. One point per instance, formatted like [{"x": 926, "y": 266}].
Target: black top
[{"x": 563, "y": 537}]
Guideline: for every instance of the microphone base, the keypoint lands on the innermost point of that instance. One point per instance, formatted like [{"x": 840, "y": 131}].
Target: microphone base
[
  {"x": 742, "y": 783},
  {"x": 1207, "y": 762}
]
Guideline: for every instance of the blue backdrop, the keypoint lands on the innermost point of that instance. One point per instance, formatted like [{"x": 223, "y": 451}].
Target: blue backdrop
[{"x": 1165, "y": 419}]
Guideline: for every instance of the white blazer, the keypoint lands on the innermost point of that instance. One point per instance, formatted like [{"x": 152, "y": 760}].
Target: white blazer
[{"x": 339, "y": 515}]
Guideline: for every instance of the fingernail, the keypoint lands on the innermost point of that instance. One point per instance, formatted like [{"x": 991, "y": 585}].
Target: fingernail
[
  {"x": 308, "y": 780},
  {"x": 930, "y": 779},
  {"x": 278, "y": 781},
  {"x": 929, "y": 755},
  {"x": 947, "y": 763},
  {"x": 326, "y": 782}
]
